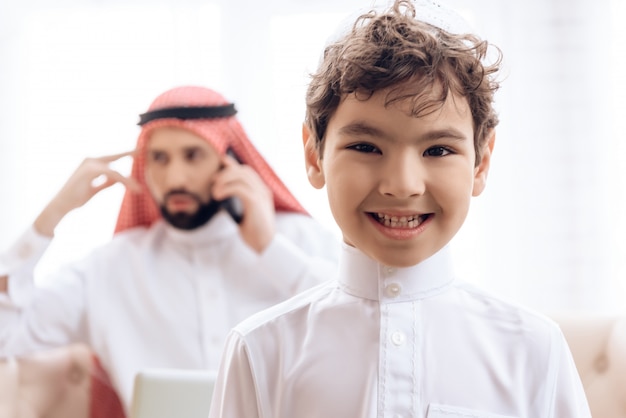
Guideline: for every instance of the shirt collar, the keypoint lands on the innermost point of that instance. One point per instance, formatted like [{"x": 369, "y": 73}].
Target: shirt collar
[{"x": 364, "y": 277}]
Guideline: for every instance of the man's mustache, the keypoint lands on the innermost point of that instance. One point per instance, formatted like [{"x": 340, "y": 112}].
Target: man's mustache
[{"x": 180, "y": 193}]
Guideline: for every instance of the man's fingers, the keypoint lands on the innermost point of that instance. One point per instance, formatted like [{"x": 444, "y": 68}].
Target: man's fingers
[
  {"x": 228, "y": 161},
  {"x": 110, "y": 177},
  {"x": 102, "y": 182},
  {"x": 106, "y": 176},
  {"x": 115, "y": 157},
  {"x": 99, "y": 181},
  {"x": 244, "y": 183}
]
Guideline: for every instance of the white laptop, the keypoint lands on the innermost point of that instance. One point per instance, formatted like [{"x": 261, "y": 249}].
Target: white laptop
[{"x": 172, "y": 393}]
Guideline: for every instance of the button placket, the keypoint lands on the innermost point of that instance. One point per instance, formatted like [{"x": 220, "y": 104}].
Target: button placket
[
  {"x": 398, "y": 338},
  {"x": 393, "y": 290},
  {"x": 209, "y": 306},
  {"x": 397, "y": 353}
]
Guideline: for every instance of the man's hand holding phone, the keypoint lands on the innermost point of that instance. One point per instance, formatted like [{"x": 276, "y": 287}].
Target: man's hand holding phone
[
  {"x": 233, "y": 204},
  {"x": 249, "y": 201}
]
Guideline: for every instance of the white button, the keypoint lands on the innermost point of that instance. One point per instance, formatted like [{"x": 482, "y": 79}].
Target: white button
[
  {"x": 389, "y": 270},
  {"x": 398, "y": 338},
  {"x": 393, "y": 290}
]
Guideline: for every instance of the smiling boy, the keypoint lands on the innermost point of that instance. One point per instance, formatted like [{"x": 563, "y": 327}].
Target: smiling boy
[
  {"x": 399, "y": 186},
  {"x": 400, "y": 131}
]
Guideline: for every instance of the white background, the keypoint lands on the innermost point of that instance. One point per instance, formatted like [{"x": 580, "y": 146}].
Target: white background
[{"x": 549, "y": 230}]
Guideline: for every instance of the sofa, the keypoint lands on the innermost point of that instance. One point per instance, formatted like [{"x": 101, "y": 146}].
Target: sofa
[
  {"x": 69, "y": 382},
  {"x": 598, "y": 345}
]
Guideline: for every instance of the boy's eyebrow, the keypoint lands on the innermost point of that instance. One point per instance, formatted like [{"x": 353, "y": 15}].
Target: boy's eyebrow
[
  {"x": 361, "y": 128},
  {"x": 448, "y": 133},
  {"x": 364, "y": 129}
]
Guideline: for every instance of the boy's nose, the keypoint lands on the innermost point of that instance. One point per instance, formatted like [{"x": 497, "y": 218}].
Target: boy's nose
[{"x": 403, "y": 177}]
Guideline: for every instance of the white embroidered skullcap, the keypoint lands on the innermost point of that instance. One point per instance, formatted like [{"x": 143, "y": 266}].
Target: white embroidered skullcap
[
  {"x": 435, "y": 13},
  {"x": 438, "y": 14}
]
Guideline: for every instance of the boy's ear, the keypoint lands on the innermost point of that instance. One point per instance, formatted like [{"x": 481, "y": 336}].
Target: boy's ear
[
  {"x": 482, "y": 169},
  {"x": 312, "y": 159}
]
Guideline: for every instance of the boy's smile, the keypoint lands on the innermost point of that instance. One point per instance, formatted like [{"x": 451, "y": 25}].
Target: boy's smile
[
  {"x": 399, "y": 186},
  {"x": 398, "y": 226}
]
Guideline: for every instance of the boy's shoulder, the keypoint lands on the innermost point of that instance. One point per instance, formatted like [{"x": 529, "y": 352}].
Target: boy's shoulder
[
  {"x": 482, "y": 314},
  {"x": 500, "y": 311},
  {"x": 284, "y": 309}
]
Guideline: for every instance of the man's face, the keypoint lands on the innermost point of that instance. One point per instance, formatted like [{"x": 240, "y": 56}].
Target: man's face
[
  {"x": 179, "y": 170},
  {"x": 399, "y": 187}
]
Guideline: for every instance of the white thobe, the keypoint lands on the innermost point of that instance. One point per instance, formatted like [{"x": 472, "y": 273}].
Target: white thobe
[
  {"x": 397, "y": 342},
  {"x": 159, "y": 297}
]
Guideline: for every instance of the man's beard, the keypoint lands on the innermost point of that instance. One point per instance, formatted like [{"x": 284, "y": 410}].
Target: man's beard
[{"x": 189, "y": 221}]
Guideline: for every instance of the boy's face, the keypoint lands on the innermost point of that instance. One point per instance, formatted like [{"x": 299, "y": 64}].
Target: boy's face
[{"x": 399, "y": 187}]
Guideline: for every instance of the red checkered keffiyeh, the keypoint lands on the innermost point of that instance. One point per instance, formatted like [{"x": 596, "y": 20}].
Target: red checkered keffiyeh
[{"x": 139, "y": 209}]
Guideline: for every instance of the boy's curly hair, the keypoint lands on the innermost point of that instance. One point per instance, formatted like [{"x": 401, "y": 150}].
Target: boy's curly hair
[{"x": 412, "y": 59}]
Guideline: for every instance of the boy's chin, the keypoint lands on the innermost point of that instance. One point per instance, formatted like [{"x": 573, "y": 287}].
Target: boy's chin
[
  {"x": 400, "y": 257},
  {"x": 400, "y": 262},
  {"x": 399, "y": 254}
]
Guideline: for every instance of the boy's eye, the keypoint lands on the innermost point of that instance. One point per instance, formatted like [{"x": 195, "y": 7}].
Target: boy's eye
[
  {"x": 365, "y": 148},
  {"x": 437, "y": 152}
]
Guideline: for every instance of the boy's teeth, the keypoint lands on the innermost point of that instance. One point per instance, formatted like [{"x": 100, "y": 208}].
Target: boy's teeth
[{"x": 410, "y": 221}]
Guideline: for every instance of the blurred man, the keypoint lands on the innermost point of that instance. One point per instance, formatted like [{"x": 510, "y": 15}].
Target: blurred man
[{"x": 202, "y": 242}]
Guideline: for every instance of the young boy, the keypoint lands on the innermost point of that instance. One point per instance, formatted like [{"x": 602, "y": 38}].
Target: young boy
[{"x": 400, "y": 130}]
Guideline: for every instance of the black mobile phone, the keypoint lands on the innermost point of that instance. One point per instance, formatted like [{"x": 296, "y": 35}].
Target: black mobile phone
[{"x": 233, "y": 205}]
